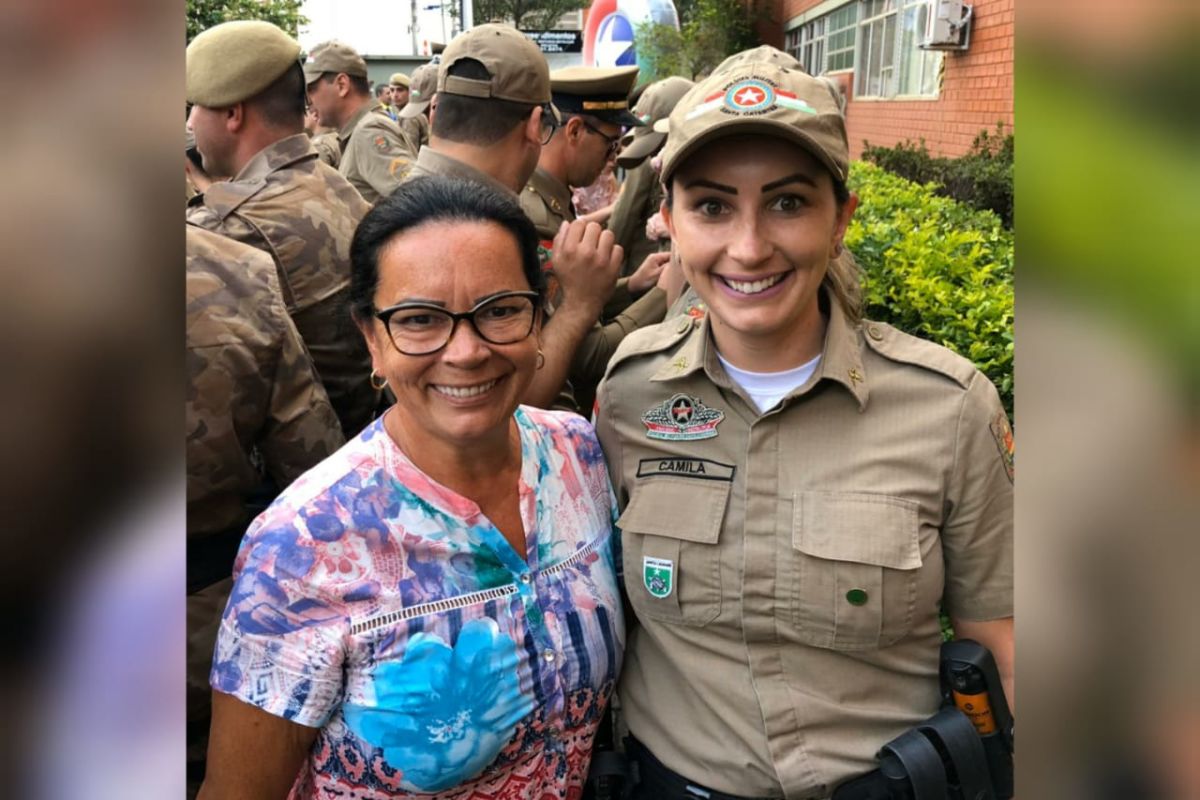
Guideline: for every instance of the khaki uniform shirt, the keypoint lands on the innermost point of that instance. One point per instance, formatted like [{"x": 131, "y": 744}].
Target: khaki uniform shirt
[
  {"x": 641, "y": 195},
  {"x": 374, "y": 154},
  {"x": 255, "y": 407},
  {"x": 328, "y": 149},
  {"x": 547, "y": 201},
  {"x": 303, "y": 213},
  {"x": 416, "y": 131},
  {"x": 786, "y": 567},
  {"x": 431, "y": 162}
]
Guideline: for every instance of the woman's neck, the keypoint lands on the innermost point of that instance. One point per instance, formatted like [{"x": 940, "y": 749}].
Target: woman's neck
[
  {"x": 464, "y": 469},
  {"x": 772, "y": 353}
]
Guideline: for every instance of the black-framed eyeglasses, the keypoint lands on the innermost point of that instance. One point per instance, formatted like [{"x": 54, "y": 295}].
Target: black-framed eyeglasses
[
  {"x": 549, "y": 124},
  {"x": 614, "y": 142},
  {"x": 420, "y": 329}
]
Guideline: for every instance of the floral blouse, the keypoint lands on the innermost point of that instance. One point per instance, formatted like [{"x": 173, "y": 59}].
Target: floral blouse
[{"x": 386, "y": 610}]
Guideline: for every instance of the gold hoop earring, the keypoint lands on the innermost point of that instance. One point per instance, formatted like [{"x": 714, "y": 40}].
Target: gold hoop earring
[
  {"x": 378, "y": 382},
  {"x": 541, "y": 362}
]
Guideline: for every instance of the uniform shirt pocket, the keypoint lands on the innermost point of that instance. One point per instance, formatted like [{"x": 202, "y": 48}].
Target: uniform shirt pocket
[
  {"x": 856, "y": 559},
  {"x": 670, "y": 548}
]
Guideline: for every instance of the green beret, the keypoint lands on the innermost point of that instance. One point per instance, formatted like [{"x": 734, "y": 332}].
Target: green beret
[{"x": 234, "y": 61}]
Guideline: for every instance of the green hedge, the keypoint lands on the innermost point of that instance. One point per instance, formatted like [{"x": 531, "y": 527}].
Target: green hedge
[
  {"x": 983, "y": 178},
  {"x": 935, "y": 268}
]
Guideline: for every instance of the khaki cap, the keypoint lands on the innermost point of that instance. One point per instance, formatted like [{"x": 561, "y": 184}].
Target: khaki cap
[
  {"x": 400, "y": 79},
  {"x": 600, "y": 92},
  {"x": 758, "y": 97},
  {"x": 334, "y": 57},
  {"x": 656, "y": 102},
  {"x": 421, "y": 90},
  {"x": 517, "y": 67},
  {"x": 234, "y": 61},
  {"x": 763, "y": 54}
]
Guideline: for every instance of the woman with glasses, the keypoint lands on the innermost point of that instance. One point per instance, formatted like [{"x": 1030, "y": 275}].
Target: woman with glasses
[{"x": 433, "y": 609}]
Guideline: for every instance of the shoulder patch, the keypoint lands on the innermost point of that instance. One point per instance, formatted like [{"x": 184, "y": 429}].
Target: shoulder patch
[
  {"x": 651, "y": 339},
  {"x": 896, "y": 345}
]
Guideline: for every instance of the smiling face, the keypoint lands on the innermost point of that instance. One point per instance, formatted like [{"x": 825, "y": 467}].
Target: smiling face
[
  {"x": 755, "y": 222},
  {"x": 465, "y": 393}
]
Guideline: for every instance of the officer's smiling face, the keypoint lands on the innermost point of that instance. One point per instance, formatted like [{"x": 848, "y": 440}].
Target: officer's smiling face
[
  {"x": 466, "y": 392},
  {"x": 755, "y": 222}
]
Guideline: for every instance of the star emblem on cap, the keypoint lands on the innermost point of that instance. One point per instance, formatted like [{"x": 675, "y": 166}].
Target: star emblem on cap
[{"x": 749, "y": 96}]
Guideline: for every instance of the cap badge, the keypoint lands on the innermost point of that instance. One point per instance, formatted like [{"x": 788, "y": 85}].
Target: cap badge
[
  {"x": 682, "y": 418},
  {"x": 658, "y": 576},
  {"x": 748, "y": 97}
]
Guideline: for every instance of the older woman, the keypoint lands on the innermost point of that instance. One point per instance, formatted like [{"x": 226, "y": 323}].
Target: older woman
[
  {"x": 801, "y": 490},
  {"x": 434, "y": 608}
]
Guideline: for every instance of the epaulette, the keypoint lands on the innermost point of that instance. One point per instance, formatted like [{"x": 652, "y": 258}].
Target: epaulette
[
  {"x": 651, "y": 339},
  {"x": 537, "y": 212},
  {"x": 896, "y": 345}
]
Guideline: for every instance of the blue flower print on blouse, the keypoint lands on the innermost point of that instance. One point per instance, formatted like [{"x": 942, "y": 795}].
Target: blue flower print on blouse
[{"x": 442, "y": 715}]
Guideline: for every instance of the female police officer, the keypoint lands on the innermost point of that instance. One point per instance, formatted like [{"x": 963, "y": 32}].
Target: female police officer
[{"x": 800, "y": 489}]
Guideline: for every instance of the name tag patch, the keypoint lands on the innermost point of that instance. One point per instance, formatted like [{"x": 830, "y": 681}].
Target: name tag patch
[
  {"x": 682, "y": 418},
  {"x": 700, "y": 468},
  {"x": 658, "y": 575}
]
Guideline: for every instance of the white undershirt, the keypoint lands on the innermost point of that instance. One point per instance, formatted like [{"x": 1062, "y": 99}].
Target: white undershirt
[{"x": 766, "y": 389}]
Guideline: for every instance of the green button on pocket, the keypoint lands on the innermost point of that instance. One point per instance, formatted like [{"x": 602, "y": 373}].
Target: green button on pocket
[{"x": 856, "y": 597}]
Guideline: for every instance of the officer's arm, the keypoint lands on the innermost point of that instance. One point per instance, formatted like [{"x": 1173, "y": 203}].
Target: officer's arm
[
  {"x": 586, "y": 261},
  {"x": 996, "y": 635},
  {"x": 601, "y": 342},
  {"x": 382, "y": 158},
  {"x": 252, "y": 754}
]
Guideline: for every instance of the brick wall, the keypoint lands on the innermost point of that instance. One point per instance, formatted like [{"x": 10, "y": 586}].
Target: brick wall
[{"x": 977, "y": 90}]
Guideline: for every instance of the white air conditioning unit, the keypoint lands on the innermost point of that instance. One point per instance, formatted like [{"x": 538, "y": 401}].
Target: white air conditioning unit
[{"x": 951, "y": 26}]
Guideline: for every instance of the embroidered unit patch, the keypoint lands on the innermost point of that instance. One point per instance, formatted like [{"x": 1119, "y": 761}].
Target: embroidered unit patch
[
  {"x": 658, "y": 575},
  {"x": 750, "y": 96},
  {"x": 1002, "y": 433},
  {"x": 682, "y": 418}
]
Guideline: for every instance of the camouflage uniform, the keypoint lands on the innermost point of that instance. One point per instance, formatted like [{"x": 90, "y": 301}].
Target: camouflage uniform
[
  {"x": 301, "y": 212},
  {"x": 375, "y": 154},
  {"x": 257, "y": 417}
]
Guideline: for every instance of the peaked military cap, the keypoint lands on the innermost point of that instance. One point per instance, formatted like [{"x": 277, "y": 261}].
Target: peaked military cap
[
  {"x": 234, "y": 61},
  {"x": 421, "y": 90},
  {"x": 334, "y": 57},
  {"x": 758, "y": 96},
  {"x": 600, "y": 92},
  {"x": 655, "y": 103}
]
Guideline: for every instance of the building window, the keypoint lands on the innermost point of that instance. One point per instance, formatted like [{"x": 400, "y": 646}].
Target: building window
[
  {"x": 826, "y": 43},
  {"x": 889, "y": 62}
]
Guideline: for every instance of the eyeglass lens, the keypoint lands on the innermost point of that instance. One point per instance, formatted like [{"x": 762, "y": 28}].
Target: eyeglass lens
[{"x": 422, "y": 329}]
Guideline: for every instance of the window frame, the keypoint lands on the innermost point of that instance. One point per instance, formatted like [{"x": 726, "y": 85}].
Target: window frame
[{"x": 886, "y": 86}]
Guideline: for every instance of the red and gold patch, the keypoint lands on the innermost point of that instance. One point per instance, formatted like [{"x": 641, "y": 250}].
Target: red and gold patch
[
  {"x": 1002, "y": 433},
  {"x": 381, "y": 143}
]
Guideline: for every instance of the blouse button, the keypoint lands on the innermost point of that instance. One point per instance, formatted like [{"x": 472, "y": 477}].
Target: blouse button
[
  {"x": 548, "y": 654},
  {"x": 525, "y": 578}
]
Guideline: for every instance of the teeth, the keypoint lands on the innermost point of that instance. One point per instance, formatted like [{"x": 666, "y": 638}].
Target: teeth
[
  {"x": 462, "y": 392},
  {"x": 753, "y": 287}
]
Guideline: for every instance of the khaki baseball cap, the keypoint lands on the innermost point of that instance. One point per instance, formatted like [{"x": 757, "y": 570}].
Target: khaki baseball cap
[
  {"x": 421, "y": 90},
  {"x": 234, "y": 61},
  {"x": 758, "y": 96},
  {"x": 518, "y": 69},
  {"x": 400, "y": 79},
  {"x": 334, "y": 57},
  {"x": 763, "y": 54},
  {"x": 656, "y": 102}
]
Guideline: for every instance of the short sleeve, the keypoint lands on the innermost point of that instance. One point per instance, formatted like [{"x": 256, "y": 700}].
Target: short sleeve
[
  {"x": 280, "y": 645},
  {"x": 977, "y": 537}
]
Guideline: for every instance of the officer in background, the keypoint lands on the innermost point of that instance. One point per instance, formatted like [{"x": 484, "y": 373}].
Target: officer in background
[
  {"x": 324, "y": 140},
  {"x": 414, "y": 117},
  {"x": 257, "y": 417},
  {"x": 399, "y": 83},
  {"x": 383, "y": 99},
  {"x": 641, "y": 193},
  {"x": 493, "y": 115},
  {"x": 247, "y": 88},
  {"x": 372, "y": 147}
]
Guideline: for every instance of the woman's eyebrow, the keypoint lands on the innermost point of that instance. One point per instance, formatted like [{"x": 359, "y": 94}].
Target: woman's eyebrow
[
  {"x": 798, "y": 177},
  {"x": 720, "y": 187},
  {"x": 422, "y": 301}
]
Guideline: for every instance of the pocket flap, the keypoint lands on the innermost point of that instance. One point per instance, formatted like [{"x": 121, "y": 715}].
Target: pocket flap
[
  {"x": 679, "y": 508},
  {"x": 865, "y": 528}
]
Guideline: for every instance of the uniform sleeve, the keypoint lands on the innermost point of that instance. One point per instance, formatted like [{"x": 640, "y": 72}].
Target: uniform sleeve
[
  {"x": 382, "y": 156},
  {"x": 597, "y": 348},
  {"x": 977, "y": 538},
  {"x": 628, "y": 215},
  {"x": 301, "y": 427},
  {"x": 279, "y": 647},
  {"x": 621, "y": 299}
]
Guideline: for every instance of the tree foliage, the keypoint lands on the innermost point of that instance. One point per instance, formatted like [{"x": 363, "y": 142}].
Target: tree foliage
[
  {"x": 204, "y": 14},
  {"x": 709, "y": 32},
  {"x": 531, "y": 15}
]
